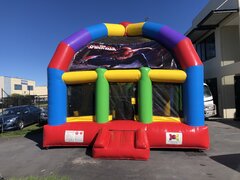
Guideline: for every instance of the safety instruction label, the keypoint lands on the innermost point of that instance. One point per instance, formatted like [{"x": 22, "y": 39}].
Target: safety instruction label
[
  {"x": 174, "y": 138},
  {"x": 74, "y": 136}
]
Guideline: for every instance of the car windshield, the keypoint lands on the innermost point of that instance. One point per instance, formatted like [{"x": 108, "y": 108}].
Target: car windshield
[{"x": 207, "y": 92}]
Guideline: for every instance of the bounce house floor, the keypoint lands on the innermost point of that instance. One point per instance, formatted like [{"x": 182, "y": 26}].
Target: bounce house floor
[{"x": 126, "y": 139}]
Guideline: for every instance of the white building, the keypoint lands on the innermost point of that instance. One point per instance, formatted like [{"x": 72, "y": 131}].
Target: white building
[
  {"x": 215, "y": 34},
  {"x": 9, "y": 86}
]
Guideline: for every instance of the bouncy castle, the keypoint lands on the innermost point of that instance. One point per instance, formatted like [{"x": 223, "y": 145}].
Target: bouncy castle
[{"x": 125, "y": 88}]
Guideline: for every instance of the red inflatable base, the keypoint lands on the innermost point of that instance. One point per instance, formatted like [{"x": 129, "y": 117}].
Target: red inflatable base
[
  {"x": 121, "y": 144},
  {"x": 154, "y": 135}
]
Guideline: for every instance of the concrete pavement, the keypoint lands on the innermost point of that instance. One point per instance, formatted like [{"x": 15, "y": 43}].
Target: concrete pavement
[{"x": 23, "y": 156}]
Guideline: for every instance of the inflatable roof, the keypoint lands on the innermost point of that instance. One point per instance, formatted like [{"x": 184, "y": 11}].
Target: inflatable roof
[{"x": 85, "y": 58}]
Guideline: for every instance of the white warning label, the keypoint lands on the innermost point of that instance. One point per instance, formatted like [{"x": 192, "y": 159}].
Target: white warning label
[
  {"x": 74, "y": 136},
  {"x": 174, "y": 138}
]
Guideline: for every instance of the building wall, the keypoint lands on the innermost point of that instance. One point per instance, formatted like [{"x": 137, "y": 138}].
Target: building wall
[
  {"x": 230, "y": 65},
  {"x": 5, "y": 88},
  {"x": 1, "y": 85},
  {"x": 24, "y": 84},
  {"x": 9, "y": 86},
  {"x": 229, "y": 36},
  {"x": 41, "y": 90},
  {"x": 226, "y": 64},
  {"x": 228, "y": 96}
]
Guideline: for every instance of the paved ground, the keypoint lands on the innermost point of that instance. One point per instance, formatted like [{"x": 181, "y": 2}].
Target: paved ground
[{"x": 23, "y": 157}]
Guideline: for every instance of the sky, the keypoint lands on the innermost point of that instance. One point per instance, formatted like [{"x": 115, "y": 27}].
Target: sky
[{"x": 30, "y": 30}]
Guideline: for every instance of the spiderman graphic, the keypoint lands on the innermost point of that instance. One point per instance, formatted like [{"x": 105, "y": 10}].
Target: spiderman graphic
[{"x": 135, "y": 55}]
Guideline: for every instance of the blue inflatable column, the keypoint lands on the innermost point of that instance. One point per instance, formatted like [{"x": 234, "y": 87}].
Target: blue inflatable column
[
  {"x": 57, "y": 97},
  {"x": 193, "y": 102}
]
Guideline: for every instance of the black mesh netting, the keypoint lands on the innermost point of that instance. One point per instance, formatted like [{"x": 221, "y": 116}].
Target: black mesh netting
[{"x": 167, "y": 100}]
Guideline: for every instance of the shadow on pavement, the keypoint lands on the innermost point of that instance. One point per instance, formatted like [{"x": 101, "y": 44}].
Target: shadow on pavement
[
  {"x": 188, "y": 152},
  {"x": 36, "y": 136},
  {"x": 230, "y": 122},
  {"x": 230, "y": 160}
]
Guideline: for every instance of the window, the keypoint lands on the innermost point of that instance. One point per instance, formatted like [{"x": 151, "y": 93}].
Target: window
[
  {"x": 206, "y": 48},
  {"x": 198, "y": 49},
  {"x": 25, "y": 109},
  {"x": 17, "y": 87},
  {"x": 210, "y": 47},
  {"x": 207, "y": 92},
  {"x": 33, "y": 109},
  {"x": 30, "y": 88}
]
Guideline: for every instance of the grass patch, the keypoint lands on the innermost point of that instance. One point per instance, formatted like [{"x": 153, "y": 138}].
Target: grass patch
[
  {"x": 33, "y": 129},
  {"x": 52, "y": 177}
]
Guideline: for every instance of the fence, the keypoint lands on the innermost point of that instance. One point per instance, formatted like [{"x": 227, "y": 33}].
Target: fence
[{"x": 18, "y": 100}]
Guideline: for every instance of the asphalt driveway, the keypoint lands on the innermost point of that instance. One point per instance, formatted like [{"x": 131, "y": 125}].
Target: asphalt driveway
[{"x": 24, "y": 156}]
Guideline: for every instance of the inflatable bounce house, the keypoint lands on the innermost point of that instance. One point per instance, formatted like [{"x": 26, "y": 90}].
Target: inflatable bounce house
[{"x": 125, "y": 88}]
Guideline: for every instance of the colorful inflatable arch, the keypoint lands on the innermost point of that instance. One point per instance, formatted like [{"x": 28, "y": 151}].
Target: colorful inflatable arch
[{"x": 122, "y": 138}]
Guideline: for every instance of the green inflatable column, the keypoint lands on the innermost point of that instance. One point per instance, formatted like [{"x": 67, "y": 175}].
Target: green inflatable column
[
  {"x": 145, "y": 97},
  {"x": 102, "y": 97}
]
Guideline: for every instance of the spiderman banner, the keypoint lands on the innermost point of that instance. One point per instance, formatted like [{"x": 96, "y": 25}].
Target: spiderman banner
[{"x": 123, "y": 53}]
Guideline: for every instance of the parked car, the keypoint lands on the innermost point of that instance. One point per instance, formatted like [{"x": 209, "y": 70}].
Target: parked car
[
  {"x": 43, "y": 116},
  {"x": 18, "y": 117},
  {"x": 210, "y": 108}
]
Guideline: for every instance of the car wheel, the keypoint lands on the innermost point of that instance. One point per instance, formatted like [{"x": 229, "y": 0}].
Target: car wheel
[{"x": 20, "y": 125}]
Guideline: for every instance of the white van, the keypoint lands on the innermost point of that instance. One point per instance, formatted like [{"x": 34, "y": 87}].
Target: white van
[{"x": 209, "y": 106}]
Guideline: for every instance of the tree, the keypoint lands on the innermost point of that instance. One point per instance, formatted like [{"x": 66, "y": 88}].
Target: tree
[{"x": 17, "y": 100}]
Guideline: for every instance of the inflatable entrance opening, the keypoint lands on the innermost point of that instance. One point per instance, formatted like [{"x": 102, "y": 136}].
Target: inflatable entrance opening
[{"x": 125, "y": 88}]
